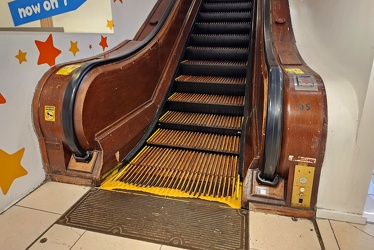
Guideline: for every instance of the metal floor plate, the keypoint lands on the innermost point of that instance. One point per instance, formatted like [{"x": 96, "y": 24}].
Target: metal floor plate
[{"x": 186, "y": 223}]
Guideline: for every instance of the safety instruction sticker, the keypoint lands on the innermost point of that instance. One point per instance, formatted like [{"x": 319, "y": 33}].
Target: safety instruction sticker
[
  {"x": 50, "y": 113},
  {"x": 296, "y": 71},
  {"x": 66, "y": 70}
]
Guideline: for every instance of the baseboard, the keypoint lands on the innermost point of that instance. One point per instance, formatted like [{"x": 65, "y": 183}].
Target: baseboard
[{"x": 340, "y": 216}]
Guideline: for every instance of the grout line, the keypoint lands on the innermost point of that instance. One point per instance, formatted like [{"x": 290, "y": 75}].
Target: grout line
[
  {"x": 372, "y": 236},
  {"x": 78, "y": 238},
  {"x": 337, "y": 242},
  {"x": 40, "y": 210},
  {"x": 318, "y": 233},
  {"x": 37, "y": 238}
]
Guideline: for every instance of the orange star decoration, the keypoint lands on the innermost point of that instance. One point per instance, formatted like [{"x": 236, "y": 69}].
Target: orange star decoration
[
  {"x": 21, "y": 56},
  {"x": 2, "y": 99},
  {"x": 119, "y": 0},
  {"x": 74, "y": 47},
  {"x": 48, "y": 52},
  {"x": 103, "y": 42},
  {"x": 10, "y": 168},
  {"x": 110, "y": 24}
]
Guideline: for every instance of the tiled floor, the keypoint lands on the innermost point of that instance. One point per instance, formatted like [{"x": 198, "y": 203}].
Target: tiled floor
[{"x": 30, "y": 225}]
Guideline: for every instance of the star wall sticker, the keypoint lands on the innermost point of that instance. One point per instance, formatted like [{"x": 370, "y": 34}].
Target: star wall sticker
[
  {"x": 10, "y": 169},
  {"x": 48, "y": 52},
  {"x": 110, "y": 24},
  {"x": 103, "y": 42},
  {"x": 2, "y": 99},
  {"x": 74, "y": 47},
  {"x": 90, "y": 46},
  {"x": 21, "y": 56},
  {"x": 119, "y": 0}
]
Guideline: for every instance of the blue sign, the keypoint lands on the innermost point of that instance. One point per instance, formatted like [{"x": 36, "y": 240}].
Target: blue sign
[{"x": 26, "y": 11}]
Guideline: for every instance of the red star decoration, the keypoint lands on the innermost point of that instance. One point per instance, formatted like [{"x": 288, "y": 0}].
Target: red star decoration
[
  {"x": 90, "y": 46},
  {"x": 103, "y": 42},
  {"x": 119, "y": 0},
  {"x": 48, "y": 52},
  {"x": 2, "y": 99}
]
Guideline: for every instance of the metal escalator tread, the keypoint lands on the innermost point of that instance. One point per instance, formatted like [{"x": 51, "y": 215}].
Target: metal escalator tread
[
  {"x": 202, "y": 119},
  {"x": 193, "y": 172},
  {"x": 207, "y": 99},
  {"x": 211, "y": 79},
  {"x": 224, "y": 63},
  {"x": 195, "y": 140}
]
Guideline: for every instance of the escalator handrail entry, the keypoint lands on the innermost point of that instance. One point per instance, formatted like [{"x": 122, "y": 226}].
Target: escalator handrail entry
[{"x": 274, "y": 119}]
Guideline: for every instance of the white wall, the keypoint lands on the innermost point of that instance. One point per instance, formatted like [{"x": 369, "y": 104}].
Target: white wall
[
  {"x": 18, "y": 82},
  {"x": 336, "y": 38}
]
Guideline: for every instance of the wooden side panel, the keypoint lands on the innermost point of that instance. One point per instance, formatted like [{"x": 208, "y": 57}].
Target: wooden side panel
[{"x": 305, "y": 109}]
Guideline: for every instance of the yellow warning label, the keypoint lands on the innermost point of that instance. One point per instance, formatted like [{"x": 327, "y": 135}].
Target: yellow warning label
[
  {"x": 50, "y": 113},
  {"x": 67, "y": 69},
  {"x": 296, "y": 71}
]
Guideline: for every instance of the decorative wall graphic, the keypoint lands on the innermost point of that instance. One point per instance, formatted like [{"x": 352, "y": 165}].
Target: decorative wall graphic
[
  {"x": 103, "y": 43},
  {"x": 48, "y": 52},
  {"x": 119, "y": 0},
  {"x": 74, "y": 47},
  {"x": 32, "y": 10},
  {"x": 110, "y": 24},
  {"x": 10, "y": 168},
  {"x": 2, "y": 99},
  {"x": 21, "y": 56}
]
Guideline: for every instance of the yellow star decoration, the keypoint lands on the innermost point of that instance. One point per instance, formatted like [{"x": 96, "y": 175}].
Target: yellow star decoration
[
  {"x": 10, "y": 168},
  {"x": 74, "y": 47},
  {"x": 110, "y": 24},
  {"x": 21, "y": 56}
]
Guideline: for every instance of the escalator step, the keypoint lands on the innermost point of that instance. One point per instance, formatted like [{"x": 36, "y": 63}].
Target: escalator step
[
  {"x": 214, "y": 68},
  {"x": 221, "y": 40},
  {"x": 224, "y": 17},
  {"x": 222, "y": 28},
  {"x": 226, "y": 6},
  {"x": 207, "y": 99},
  {"x": 224, "y": 1},
  {"x": 210, "y": 85},
  {"x": 216, "y": 53},
  {"x": 211, "y": 79},
  {"x": 195, "y": 140},
  {"x": 194, "y": 172},
  {"x": 201, "y": 119}
]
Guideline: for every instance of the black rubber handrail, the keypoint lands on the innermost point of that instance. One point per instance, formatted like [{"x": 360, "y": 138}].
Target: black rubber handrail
[
  {"x": 71, "y": 90},
  {"x": 274, "y": 119}
]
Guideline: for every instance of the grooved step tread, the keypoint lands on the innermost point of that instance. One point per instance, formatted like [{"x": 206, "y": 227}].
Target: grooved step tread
[
  {"x": 223, "y": 63},
  {"x": 201, "y": 119},
  {"x": 211, "y": 79},
  {"x": 193, "y": 172},
  {"x": 196, "y": 140},
  {"x": 207, "y": 99},
  {"x": 217, "y": 48}
]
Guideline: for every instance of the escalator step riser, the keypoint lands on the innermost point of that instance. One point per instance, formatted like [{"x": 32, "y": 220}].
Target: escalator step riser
[
  {"x": 196, "y": 140},
  {"x": 194, "y": 172},
  {"x": 218, "y": 109},
  {"x": 193, "y": 53},
  {"x": 224, "y": 17},
  {"x": 222, "y": 28},
  {"x": 210, "y": 88},
  {"x": 220, "y": 41},
  {"x": 226, "y": 7},
  {"x": 201, "y": 119},
  {"x": 211, "y": 79},
  {"x": 213, "y": 70}
]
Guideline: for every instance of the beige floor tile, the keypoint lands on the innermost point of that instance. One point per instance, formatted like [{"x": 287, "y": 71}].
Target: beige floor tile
[
  {"x": 58, "y": 238},
  {"x": 96, "y": 241},
  {"x": 327, "y": 234},
  {"x": 350, "y": 237},
  {"x": 19, "y": 226},
  {"x": 54, "y": 197},
  {"x": 268, "y": 231},
  {"x": 368, "y": 228}
]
